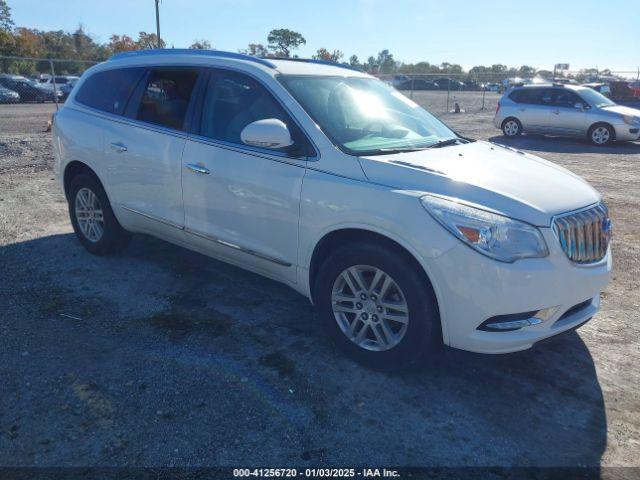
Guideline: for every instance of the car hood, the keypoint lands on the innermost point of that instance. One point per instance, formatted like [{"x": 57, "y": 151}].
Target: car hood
[
  {"x": 491, "y": 176},
  {"x": 622, "y": 110}
]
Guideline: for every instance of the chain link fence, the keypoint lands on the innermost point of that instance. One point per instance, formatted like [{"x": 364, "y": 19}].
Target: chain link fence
[
  {"x": 38, "y": 80},
  {"x": 443, "y": 93}
]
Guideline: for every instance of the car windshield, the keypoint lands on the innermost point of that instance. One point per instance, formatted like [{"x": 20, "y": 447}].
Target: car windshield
[
  {"x": 595, "y": 99},
  {"x": 364, "y": 116}
]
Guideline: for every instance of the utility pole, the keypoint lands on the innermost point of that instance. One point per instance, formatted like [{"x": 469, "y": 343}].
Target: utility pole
[{"x": 158, "y": 22}]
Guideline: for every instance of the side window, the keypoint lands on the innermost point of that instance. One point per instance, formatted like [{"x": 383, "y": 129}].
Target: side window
[
  {"x": 166, "y": 96},
  {"x": 109, "y": 90},
  {"x": 546, "y": 97},
  {"x": 565, "y": 99},
  {"x": 232, "y": 101}
]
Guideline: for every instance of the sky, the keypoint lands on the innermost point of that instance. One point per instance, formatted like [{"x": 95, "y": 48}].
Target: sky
[{"x": 587, "y": 33}]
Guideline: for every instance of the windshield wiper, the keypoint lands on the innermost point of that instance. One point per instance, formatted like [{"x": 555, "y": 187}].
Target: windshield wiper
[
  {"x": 446, "y": 143},
  {"x": 402, "y": 149}
]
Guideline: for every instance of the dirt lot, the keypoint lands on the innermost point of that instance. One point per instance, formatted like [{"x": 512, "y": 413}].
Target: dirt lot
[{"x": 161, "y": 356}]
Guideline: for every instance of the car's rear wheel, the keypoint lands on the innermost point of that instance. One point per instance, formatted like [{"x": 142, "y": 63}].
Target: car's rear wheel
[
  {"x": 92, "y": 218},
  {"x": 511, "y": 127},
  {"x": 377, "y": 307},
  {"x": 601, "y": 134}
]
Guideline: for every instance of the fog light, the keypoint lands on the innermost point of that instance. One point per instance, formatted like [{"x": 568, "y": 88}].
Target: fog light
[{"x": 516, "y": 321}]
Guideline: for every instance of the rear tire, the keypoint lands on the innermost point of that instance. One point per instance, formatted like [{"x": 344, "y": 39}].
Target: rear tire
[
  {"x": 511, "y": 127},
  {"x": 92, "y": 218},
  {"x": 601, "y": 134},
  {"x": 386, "y": 324}
]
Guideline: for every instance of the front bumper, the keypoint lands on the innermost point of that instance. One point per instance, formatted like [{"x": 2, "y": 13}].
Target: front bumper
[
  {"x": 626, "y": 132},
  {"x": 472, "y": 288}
]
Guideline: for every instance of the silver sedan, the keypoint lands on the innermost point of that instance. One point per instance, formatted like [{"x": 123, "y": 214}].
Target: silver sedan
[{"x": 566, "y": 110}]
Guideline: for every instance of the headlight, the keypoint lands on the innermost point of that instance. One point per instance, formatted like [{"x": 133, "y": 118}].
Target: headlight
[
  {"x": 631, "y": 120},
  {"x": 495, "y": 236}
]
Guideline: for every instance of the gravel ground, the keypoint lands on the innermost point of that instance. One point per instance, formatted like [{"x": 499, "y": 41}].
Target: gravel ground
[{"x": 163, "y": 357}]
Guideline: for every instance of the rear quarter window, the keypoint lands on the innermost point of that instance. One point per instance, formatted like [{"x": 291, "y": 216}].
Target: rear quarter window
[{"x": 109, "y": 90}]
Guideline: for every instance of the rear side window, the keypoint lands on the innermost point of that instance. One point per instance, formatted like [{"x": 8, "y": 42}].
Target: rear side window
[
  {"x": 166, "y": 96},
  {"x": 529, "y": 96},
  {"x": 109, "y": 90}
]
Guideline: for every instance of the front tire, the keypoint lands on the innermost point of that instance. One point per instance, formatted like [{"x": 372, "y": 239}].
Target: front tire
[
  {"x": 601, "y": 134},
  {"x": 92, "y": 218},
  {"x": 377, "y": 307},
  {"x": 511, "y": 127}
]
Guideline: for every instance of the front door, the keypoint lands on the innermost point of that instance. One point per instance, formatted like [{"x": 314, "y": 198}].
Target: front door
[
  {"x": 565, "y": 118},
  {"x": 242, "y": 203}
]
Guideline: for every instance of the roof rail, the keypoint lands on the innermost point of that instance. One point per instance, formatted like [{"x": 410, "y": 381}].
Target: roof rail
[
  {"x": 314, "y": 60},
  {"x": 194, "y": 52}
]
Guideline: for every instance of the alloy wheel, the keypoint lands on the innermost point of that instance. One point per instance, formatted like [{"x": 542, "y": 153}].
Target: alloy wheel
[
  {"x": 600, "y": 135},
  {"x": 89, "y": 215},
  {"x": 370, "y": 308},
  {"x": 511, "y": 128}
]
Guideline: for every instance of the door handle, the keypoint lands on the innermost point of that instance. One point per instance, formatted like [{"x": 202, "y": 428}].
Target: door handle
[
  {"x": 118, "y": 147},
  {"x": 198, "y": 168},
  {"x": 556, "y": 112}
]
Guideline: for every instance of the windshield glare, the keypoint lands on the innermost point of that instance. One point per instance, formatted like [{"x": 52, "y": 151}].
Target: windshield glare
[
  {"x": 364, "y": 115},
  {"x": 595, "y": 99}
]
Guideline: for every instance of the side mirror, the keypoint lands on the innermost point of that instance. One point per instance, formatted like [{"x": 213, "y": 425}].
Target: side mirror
[
  {"x": 579, "y": 106},
  {"x": 267, "y": 133}
]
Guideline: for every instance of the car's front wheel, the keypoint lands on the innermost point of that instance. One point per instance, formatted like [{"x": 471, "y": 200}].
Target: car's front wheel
[
  {"x": 92, "y": 218},
  {"x": 601, "y": 134},
  {"x": 511, "y": 127},
  {"x": 377, "y": 307}
]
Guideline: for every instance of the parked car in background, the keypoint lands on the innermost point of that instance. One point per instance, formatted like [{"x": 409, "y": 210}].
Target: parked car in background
[
  {"x": 472, "y": 86},
  {"x": 63, "y": 83},
  {"x": 403, "y": 234},
  {"x": 635, "y": 89},
  {"x": 417, "y": 84},
  {"x": 449, "y": 84},
  {"x": 8, "y": 96},
  {"x": 621, "y": 90},
  {"x": 28, "y": 90},
  {"x": 567, "y": 110},
  {"x": 68, "y": 86},
  {"x": 491, "y": 87},
  {"x": 602, "y": 88}
]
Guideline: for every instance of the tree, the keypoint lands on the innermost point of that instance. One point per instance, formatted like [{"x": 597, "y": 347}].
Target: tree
[
  {"x": 371, "y": 65},
  {"x": 354, "y": 61},
  {"x": 324, "y": 54},
  {"x": 122, "y": 43},
  {"x": 201, "y": 45},
  {"x": 256, "y": 50},
  {"x": 385, "y": 62},
  {"x": 149, "y": 41},
  {"x": 282, "y": 41},
  {"x": 6, "y": 23}
]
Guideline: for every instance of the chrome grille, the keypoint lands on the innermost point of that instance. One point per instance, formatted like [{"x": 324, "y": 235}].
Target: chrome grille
[{"x": 585, "y": 234}]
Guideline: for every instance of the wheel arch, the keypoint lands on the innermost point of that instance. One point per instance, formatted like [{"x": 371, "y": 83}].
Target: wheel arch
[
  {"x": 72, "y": 170},
  {"x": 341, "y": 236}
]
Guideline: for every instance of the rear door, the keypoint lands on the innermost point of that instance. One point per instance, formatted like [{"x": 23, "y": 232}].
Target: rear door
[
  {"x": 532, "y": 108},
  {"x": 144, "y": 151},
  {"x": 242, "y": 202}
]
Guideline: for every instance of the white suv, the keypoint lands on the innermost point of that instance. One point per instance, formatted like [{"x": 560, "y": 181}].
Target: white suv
[{"x": 402, "y": 233}]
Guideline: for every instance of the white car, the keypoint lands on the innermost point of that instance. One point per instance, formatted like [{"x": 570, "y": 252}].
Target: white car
[{"x": 404, "y": 235}]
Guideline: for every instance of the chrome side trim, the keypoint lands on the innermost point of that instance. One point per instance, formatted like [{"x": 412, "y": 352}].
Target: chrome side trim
[
  {"x": 238, "y": 247},
  {"x": 209, "y": 237},
  {"x": 152, "y": 217}
]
